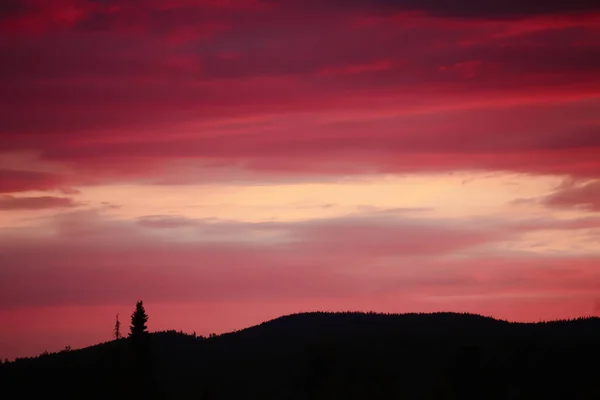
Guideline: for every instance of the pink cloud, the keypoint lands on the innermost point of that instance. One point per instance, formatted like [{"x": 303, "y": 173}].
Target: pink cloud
[
  {"x": 394, "y": 237},
  {"x": 168, "y": 222},
  {"x": 357, "y": 69},
  {"x": 377, "y": 261},
  {"x": 494, "y": 9},
  {"x": 18, "y": 181},
  {"x": 467, "y": 69},
  {"x": 586, "y": 196},
  {"x": 95, "y": 260},
  {"x": 195, "y": 91},
  {"x": 11, "y": 203}
]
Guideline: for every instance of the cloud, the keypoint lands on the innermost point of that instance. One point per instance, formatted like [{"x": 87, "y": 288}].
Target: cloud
[
  {"x": 310, "y": 97},
  {"x": 334, "y": 105},
  {"x": 572, "y": 195},
  {"x": 538, "y": 224},
  {"x": 167, "y": 222},
  {"x": 11, "y": 8},
  {"x": 148, "y": 92},
  {"x": 385, "y": 260},
  {"x": 272, "y": 97},
  {"x": 12, "y": 203},
  {"x": 19, "y": 181},
  {"x": 197, "y": 15},
  {"x": 390, "y": 236},
  {"x": 86, "y": 258},
  {"x": 459, "y": 9}
]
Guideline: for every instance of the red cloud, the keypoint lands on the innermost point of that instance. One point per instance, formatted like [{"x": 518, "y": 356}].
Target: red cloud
[
  {"x": 187, "y": 91},
  {"x": 391, "y": 238},
  {"x": 384, "y": 261},
  {"x": 467, "y": 69},
  {"x": 492, "y": 9},
  {"x": 94, "y": 260},
  {"x": 357, "y": 69},
  {"x": 101, "y": 101},
  {"x": 8, "y": 203},
  {"x": 585, "y": 196},
  {"x": 18, "y": 181}
]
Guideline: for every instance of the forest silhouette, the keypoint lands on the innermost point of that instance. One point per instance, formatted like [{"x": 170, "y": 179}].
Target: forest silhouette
[{"x": 322, "y": 355}]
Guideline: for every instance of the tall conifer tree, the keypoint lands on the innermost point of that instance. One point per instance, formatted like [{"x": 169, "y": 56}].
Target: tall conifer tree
[
  {"x": 139, "y": 318},
  {"x": 117, "y": 329}
]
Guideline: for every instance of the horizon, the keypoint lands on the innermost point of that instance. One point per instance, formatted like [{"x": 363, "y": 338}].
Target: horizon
[
  {"x": 207, "y": 335},
  {"x": 230, "y": 162}
]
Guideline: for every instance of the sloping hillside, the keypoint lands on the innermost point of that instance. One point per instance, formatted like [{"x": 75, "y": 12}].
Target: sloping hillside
[{"x": 333, "y": 356}]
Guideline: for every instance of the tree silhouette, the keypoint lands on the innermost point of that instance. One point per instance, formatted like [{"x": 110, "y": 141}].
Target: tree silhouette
[
  {"x": 138, "y": 321},
  {"x": 332, "y": 356},
  {"x": 143, "y": 361},
  {"x": 117, "y": 329}
]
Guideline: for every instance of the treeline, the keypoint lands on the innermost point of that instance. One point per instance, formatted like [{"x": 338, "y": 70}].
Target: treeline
[{"x": 333, "y": 356}]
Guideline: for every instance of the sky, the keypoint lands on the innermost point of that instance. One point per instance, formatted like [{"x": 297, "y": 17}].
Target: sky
[{"x": 231, "y": 161}]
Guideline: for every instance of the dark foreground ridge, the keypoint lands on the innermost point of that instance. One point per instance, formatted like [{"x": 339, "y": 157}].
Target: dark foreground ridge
[{"x": 331, "y": 356}]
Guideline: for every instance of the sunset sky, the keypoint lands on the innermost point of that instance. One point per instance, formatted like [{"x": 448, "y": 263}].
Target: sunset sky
[{"x": 230, "y": 161}]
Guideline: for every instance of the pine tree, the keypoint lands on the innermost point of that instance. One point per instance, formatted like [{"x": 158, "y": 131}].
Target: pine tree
[
  {"x": 117, "y": 330},
  {"x": 138, "y": 321}
]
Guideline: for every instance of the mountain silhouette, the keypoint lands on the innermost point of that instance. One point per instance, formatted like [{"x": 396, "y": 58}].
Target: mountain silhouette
[{"x": 332, "y": 356}]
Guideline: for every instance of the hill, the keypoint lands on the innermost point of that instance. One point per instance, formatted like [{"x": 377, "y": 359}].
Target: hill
[{"x": 332, "y": 356}]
